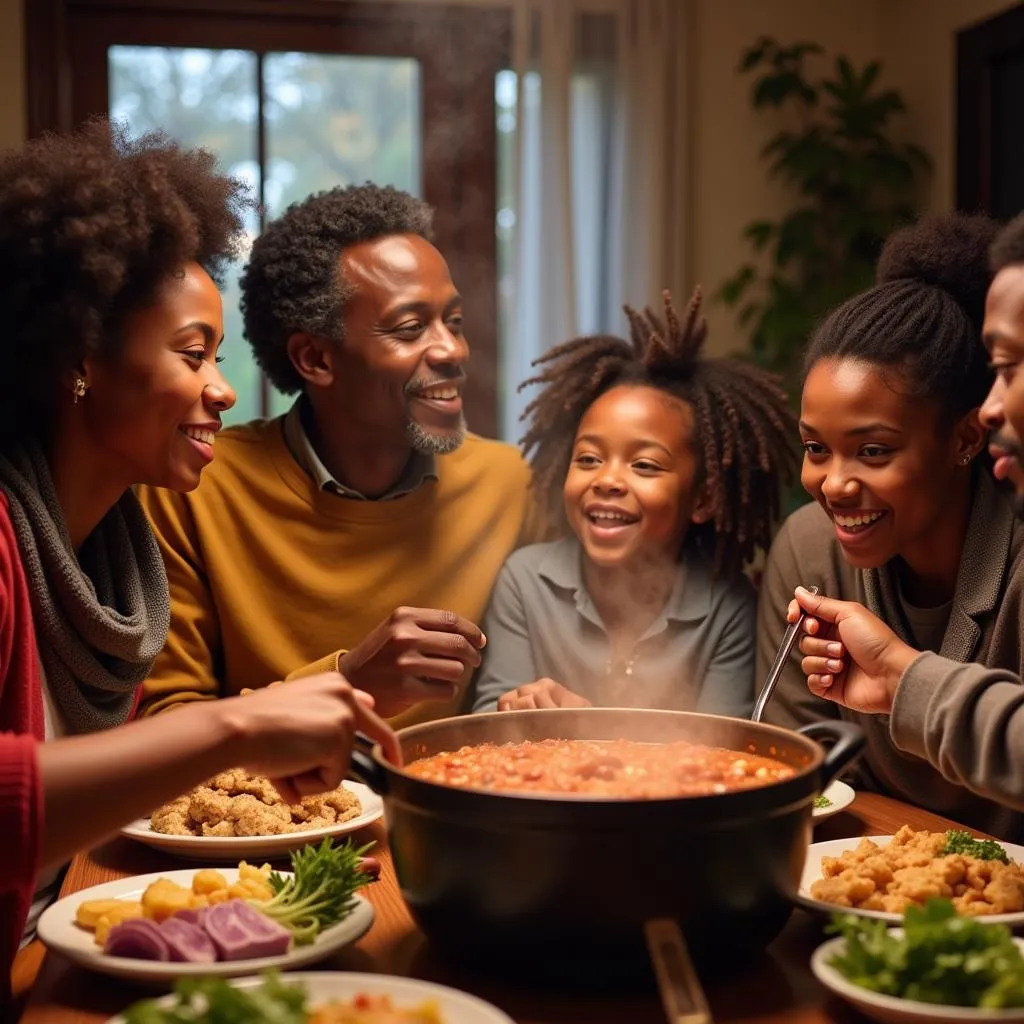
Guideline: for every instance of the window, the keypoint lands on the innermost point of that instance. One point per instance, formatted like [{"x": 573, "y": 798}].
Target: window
[
  {"x": 523, "y": 329},
  {"x": 299, "y": 95},
  {"x": 289, "y": 123}
]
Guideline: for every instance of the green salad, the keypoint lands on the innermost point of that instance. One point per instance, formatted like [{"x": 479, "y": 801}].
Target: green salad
[
  {"x": 822, "y": 801},
  {"x": 213, "y": 1001},
  {"x": 941, "y": 957}
]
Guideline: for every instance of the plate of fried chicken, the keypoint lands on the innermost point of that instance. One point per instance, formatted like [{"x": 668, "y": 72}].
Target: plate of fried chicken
[{"x": 236, "y": 814}]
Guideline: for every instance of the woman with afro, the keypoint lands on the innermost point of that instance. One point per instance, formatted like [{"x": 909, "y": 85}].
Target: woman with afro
[
  {"x": 664, "y": 469},
  {"x": 907, "y": 518},
  {"x": 109, "y": 250}
]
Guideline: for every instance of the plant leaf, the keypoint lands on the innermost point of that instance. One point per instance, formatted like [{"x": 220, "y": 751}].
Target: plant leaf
[{"x": 852, "y": 183}]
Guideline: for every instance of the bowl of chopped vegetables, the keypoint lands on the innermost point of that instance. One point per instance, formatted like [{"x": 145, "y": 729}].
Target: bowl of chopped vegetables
[{"x": 940, "y": 966}]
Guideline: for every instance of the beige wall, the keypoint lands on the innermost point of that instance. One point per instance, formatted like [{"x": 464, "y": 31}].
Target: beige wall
[
  {"x": 729, "y": 185},
  {"x": 916, "y": 41},
  {"x": 12, "y": 74}
]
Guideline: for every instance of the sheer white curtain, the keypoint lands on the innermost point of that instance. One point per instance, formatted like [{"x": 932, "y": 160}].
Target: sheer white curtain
[{"x": 599, "y": 189}]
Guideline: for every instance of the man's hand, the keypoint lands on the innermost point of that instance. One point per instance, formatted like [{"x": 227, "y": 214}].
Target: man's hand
[
  {"x": 544, "y": 693},
  {"x": 850, "y": 655},
  {"x": 415, "y": 654}
]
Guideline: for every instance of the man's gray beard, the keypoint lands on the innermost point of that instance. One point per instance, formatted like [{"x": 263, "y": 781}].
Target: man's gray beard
[{"x": 435, "y": 444}]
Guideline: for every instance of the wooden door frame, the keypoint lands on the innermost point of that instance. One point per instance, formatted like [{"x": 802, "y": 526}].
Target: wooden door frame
[
  {"x": 977, "y": 49},
  {"x": 460, "y": 49}
]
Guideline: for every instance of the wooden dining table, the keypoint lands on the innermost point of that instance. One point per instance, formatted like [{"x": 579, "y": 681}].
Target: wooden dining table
[{"x": 776, "y": 989}]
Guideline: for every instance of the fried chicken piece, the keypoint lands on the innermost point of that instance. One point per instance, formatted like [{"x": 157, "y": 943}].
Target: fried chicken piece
[
  {"x": 172, "y": 819},
  {"x": 1005, "y": 893},
  {"x": 891, "y": 904},
  {"x": 237, "y": 782},
  {"x": 878, "y": 869},
  {"x": 266, "y": 792},
  {"x": 876, "y": 901},
  {"x": 235, "y": 803},
  {"x": 331, "y": 807},
  {"x": 225, "y": 828},
  {"x": 846, "y": 890},
  {"x": 230, "y": 781},
  {"x": 252, "y": 817},
  {"x": 963, "y": 901},
  {"x": 865, "y": 849},
  {"x": 208, "y": 807},
  {"x": 316, "y": 822},
  {"x": 913, "y": 869},
  {"x": 918, "y": 884}
]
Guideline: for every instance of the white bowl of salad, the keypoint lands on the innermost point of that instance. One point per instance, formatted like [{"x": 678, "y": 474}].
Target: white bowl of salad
[
  {"x": 324, "y": 997},
  {"x": 940, "y": 966}
]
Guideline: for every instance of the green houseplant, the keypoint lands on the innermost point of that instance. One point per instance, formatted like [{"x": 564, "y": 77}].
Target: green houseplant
[{"x": 852, "y": 184}]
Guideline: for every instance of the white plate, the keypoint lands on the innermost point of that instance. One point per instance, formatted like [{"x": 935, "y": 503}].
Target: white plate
[
  {"x": 322, "y": 987},
  {"x": 892, "y": 1010},
  {"x": 236, "y": 848},
  {"x": 841, "y": 796},
  {"x": 58, "y": 931},
  {"x": 812, "y": 872}
]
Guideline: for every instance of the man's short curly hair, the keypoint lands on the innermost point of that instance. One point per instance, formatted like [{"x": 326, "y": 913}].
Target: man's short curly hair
[
  {"x": 293, "y": 282},
  {"x": 1008, "y": 248},
  {"x": 90, "y": 224}
]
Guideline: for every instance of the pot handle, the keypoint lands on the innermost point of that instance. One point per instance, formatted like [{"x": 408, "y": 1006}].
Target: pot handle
[
  {"x": 365, "y": 768},
  {"x": 849, "y": 740}
]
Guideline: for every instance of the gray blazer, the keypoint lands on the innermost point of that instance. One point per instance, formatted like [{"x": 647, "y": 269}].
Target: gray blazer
[
  {"x": 985, "y": 626},
  {"x": 697, "y": 655}
]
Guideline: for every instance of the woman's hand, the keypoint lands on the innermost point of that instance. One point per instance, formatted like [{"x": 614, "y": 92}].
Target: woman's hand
[
  {"x": 544, "y": 693},
  {"x": 850, "y": 655},
  {"x": 301, "y": 734}
]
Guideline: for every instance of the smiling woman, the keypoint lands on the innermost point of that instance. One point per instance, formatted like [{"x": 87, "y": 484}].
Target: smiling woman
[
  {"x": 906, "y": 517},
  {"x": 172, "y": 393},
  {"x": 891, "y": 475},
  {"x": 109, "y": 251},
  {"x": 116, "y": 373}
]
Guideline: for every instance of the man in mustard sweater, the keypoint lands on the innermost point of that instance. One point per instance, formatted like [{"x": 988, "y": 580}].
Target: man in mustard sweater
[{"x": 364, "y": 529}]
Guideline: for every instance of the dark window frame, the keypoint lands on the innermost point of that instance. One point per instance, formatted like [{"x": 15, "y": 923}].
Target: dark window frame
[{"x": 460, "y": 50}]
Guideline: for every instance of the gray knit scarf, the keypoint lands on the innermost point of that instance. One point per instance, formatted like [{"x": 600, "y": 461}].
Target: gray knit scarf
[{"x": 101, "y": 616}]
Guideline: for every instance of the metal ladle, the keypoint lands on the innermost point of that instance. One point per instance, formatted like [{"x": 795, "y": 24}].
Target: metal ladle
[
  {"x": 681, "y": 993},
  {"x": 781, "y": 656}
]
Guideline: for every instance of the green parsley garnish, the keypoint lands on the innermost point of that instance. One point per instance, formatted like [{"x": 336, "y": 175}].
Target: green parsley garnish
[
  {"x": 822, "y": 801},
  {"x": 941, "y": 958},
  {"x": 320, "y": 892},
  {"x": 982, "y": 849},
  {"x": 214, "y": 1001}
]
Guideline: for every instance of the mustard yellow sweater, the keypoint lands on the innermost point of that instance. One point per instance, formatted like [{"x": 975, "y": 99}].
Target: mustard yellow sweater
[{"x": 271, "y": 578}]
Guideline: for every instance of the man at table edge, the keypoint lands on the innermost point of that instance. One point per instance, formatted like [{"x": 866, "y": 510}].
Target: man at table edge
[
  {"x": 363, "y": 530},
  {"x": 965, "y": 719}
]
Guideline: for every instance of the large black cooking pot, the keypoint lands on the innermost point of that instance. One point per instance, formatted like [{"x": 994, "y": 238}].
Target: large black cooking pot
[{"x": 548, "y": 886}]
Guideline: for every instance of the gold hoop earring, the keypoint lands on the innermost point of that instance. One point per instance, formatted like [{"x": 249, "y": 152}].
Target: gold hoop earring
[
  {"x": 965, "y": 460},
  {"x": 79, "y": 388}
]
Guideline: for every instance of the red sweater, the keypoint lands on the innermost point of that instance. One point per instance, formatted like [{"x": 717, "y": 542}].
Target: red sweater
[{"x": 21, "y": 729}]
